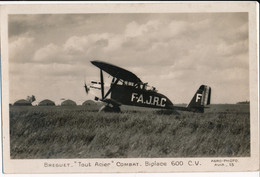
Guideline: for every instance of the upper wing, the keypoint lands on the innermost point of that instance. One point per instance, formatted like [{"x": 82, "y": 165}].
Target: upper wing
[{"x": 116, "y": 71}]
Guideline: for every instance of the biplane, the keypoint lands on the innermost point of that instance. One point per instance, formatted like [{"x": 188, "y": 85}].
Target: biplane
[{"x": 128, "y": 89}]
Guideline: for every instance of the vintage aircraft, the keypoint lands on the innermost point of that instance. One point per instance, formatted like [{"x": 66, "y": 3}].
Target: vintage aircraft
[{"x": 127, "y": 89}]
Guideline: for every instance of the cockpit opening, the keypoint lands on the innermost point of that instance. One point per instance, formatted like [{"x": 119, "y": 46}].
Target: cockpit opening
[{"x": 143, "y": 86}]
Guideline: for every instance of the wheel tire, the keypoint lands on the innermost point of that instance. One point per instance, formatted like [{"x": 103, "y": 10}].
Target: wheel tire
[
  {"x": 116, "y": 109},
  {"x": 107, "y": 108}
]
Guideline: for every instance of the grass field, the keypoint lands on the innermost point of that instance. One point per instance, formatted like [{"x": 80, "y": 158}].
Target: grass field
[{"x": 81, "y": 132}]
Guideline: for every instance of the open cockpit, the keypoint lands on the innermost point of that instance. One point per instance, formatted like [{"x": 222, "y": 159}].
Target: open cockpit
[{"x": 139, "y": 85}]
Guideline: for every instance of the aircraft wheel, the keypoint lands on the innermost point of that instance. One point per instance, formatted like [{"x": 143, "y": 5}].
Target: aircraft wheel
[
  {"x": 116, "y": 109},
  {"x": 107, "y": 108}
]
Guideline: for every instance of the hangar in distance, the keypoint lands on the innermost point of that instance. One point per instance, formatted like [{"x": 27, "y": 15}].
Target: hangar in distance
[{"x": 128, "y": 89}]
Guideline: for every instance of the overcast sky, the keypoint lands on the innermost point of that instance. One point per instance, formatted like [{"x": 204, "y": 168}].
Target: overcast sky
[{"x": 49, "y": 55}]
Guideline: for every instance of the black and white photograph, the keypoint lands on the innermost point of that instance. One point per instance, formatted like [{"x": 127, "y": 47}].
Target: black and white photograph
[{"x": 126, "y": 86}]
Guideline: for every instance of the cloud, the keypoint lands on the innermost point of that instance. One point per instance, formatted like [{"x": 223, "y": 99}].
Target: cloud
[
  {"x": 170, "y": 51},
  {"x": 77, "y": 44},
  {"x": 47, "y": 53},
  {"x": 133, "y": 29},
  {"x": 20, "y": 50},
  {"x": 53, "y": 80},
  {"x": 227, "y": 49}
]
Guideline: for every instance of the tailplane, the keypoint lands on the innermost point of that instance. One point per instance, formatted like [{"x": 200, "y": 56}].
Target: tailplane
[{"x": 200, "y": 99}]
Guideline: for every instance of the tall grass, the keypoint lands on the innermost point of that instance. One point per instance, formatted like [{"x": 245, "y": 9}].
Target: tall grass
[{"x": 82, "y": 132}]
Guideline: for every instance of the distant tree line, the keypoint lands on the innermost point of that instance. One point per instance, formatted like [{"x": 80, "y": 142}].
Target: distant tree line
[{"x": 243, "y": 102}]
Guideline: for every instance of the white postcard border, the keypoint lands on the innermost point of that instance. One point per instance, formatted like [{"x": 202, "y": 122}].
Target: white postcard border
[{"x": 189, "y": 164}]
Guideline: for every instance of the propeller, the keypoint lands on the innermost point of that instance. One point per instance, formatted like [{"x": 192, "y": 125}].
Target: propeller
[{"x": 86, "y": 87}]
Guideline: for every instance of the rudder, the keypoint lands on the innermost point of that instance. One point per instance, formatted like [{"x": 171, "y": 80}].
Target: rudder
[{"x": 200, "y": 99}]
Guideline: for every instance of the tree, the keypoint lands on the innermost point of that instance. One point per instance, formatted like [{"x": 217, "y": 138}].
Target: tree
[{"x": 31, "y": 98}]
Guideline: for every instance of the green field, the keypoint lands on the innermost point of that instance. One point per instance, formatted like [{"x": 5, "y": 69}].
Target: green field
[{"x": 38, "y": 132}]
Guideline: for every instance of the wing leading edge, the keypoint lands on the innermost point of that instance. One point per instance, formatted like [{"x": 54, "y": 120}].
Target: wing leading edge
[{"x": 117, "y": 72}]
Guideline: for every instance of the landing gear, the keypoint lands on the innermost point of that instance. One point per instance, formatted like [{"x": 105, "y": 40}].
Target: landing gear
[{"x": 108, "y": 108}]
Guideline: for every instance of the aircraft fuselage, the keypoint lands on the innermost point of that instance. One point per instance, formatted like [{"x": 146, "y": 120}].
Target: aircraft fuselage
[{"x": 128, "y": 95}]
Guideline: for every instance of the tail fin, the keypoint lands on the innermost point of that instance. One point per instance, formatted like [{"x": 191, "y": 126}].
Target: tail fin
[{"x": 200, "y": 99}]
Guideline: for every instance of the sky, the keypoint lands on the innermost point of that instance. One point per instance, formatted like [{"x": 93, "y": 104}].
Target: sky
[{"x": 49, "y": 55}]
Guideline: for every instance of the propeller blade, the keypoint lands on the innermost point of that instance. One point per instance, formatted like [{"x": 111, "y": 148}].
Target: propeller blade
[{"x": 86, "y": 88}]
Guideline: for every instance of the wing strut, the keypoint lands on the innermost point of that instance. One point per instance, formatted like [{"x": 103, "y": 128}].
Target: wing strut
[
  {"x": 102, "y": 83},
  {"x": 112, "y": 87}
]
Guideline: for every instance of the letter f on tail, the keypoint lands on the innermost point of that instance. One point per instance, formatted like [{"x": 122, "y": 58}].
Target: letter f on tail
[{"x": 200, "y": 99}]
